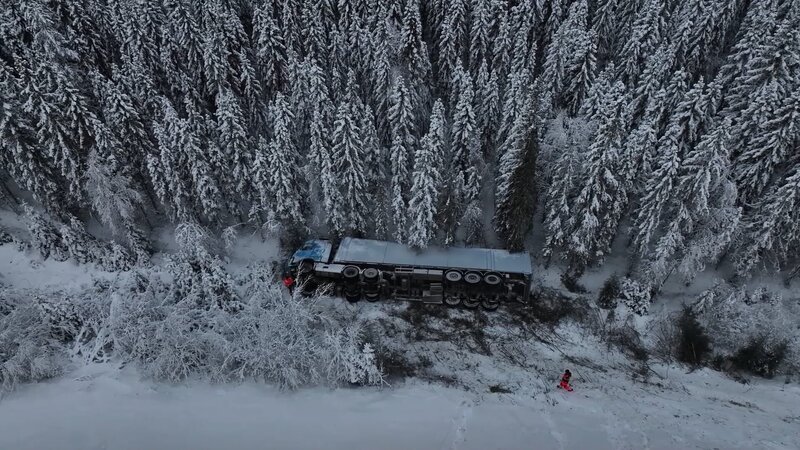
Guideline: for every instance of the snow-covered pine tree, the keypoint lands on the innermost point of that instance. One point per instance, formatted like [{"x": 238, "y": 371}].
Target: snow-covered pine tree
[
  {"x": 571, "y": 48},
  {"x": 270, "y": 47},
  {"x": 515, "y": 186},
  {"x": 286, "y": 191},
  {"x": 687, "y": 122},
  {"x": 28, "y": 168},
  {"x": 376, "y": 165},
  {"x": 646, "y": 33},
  {"x": 50, "y": 128},
  {"x": 81, "y": 246},
  {"x": 601, "y": 198},
  {"x": 412, "y": 48},
  {"x": 465, "y": 144},
  {"x": 580, "y": 79},
  {"x": 487, "y": 109},
  {"x": 402, "y": 148},
  {"x": 451, "y": 41},
  {"x": 771, "y": 231},
  {"x": 113, "y": 199},
  {"x": 565, "y": 143},
  {"x": 595, "y": 97},
  {"x": 353, "y": 208},
  {"x": 606, "y": 25},
  {"x": 770, "y": 147},
  {"x": 235, "y": 144},
  {"x": 483, "y": 23},
  {"x": 168, "y": 170},
  {"x": 426, "y": 181},
  {"x": 770, "y": 76},
  {"x": 44, "y": 236},
  {"x": 702, "y": 216}
]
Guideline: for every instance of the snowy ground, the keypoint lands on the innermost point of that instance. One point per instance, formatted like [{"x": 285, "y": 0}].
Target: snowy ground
[
  {"x": 457, "y": 380},
  {"x": 102, "y": 407}
]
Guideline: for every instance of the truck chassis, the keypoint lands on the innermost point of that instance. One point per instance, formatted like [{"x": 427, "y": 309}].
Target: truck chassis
[{"x": 377, "y": 270}]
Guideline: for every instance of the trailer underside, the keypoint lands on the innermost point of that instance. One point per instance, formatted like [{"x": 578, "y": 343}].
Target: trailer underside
[{"x": 378, "y": 270}]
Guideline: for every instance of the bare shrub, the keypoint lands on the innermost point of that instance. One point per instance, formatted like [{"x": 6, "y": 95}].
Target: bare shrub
[
  {"x": 625, "y": 337},
  {"x": 665, "y": 336}
]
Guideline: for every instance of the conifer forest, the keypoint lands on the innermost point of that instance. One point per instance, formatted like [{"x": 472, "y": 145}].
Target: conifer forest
[{"x": 665, "y": 129}]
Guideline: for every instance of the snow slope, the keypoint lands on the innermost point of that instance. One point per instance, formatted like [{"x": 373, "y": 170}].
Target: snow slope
[{"x": 103, "y": 407}]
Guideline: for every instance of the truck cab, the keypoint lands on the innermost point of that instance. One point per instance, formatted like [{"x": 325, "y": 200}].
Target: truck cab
[{"x": 314, "y": 250}]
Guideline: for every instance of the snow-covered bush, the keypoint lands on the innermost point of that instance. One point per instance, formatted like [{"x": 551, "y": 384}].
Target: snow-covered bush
[
  {"x": 635, "y": 295},
  {"x": 116, "y": 258},
  {"x": 271, "y": 337},
  {"x": 350, "y": 360},
  {"x": 28, "y": 349},
  {"x": 761, "y": 356},
  {"x": 736, "y": 318}
]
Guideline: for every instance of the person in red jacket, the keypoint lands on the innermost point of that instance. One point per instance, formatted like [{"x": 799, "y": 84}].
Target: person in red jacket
[
  {"x": 565, "y": 381},
  {"x": 288, "y": 281}
]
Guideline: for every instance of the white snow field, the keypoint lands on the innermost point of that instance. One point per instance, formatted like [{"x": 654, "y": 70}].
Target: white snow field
[{"x": 100, "y": 407}]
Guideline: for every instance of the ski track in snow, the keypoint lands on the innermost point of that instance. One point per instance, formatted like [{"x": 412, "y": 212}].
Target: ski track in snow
[{"x": 460, "y": 425}]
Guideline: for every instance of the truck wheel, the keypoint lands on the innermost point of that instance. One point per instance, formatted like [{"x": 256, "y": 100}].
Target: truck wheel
[
  {"x": 472, "y": 277},
  {"x": 490, "y": 304},
  {"x": 492, "y": 279},
  {"x": 471, "y": 302},
  {"x": 452, "y": 300},
  {"x": 372, "y": 297},
  {"x": 453, "y": 276},
  {"x": 352, "y": 298},
  {"x": 350, "y": 273},
  {"x": 370, "y": 273}
]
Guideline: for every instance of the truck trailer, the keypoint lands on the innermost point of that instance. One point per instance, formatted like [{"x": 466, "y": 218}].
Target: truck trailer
[{"x": 379, "y": 270}]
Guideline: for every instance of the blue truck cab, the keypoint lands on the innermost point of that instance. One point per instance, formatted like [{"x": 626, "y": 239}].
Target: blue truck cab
[{"x": 316, "y": 250}]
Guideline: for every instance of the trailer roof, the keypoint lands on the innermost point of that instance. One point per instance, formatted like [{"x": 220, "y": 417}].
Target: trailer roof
[{"x": 352, "y": 250}]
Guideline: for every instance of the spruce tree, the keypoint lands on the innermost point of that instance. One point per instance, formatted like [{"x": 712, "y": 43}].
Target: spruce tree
[
  {"x": 515, "y": 192},
  {"x": 285, "y": 188},
  {"x": 426, "y": 181},
  {"x": 352, "y": 208},
  {"x": 602, "y": 198},
  {"x": 402, "y": 148}
]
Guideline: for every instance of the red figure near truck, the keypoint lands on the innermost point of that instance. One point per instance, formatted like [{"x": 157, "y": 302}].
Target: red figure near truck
[{"x": 565, "y": 381}]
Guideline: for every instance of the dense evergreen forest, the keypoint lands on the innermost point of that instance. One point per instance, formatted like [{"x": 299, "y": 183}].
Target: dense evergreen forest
[{"x": 671, "y": 127}]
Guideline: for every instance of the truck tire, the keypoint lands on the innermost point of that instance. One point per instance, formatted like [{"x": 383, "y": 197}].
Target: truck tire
[
  {"x": 490, "y": 304},
  {"x": 492, "y": 279},
  {"x": 452, "y": 300},
  {"x": 370, "y": 273},
  {"x": 471, "y": 303},
  {"x": 453, "y": 276},
  {"x": 472, "y": 278},
  {"x": 350, "y": 273}
]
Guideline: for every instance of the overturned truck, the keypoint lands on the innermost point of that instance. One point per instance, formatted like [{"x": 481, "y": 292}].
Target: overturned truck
[{"x": 374, "y": 270}]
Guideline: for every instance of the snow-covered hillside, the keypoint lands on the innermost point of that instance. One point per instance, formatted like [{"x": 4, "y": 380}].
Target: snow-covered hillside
[
  {"x": 454, "y": 379},
  {"x": 103, "y": 407}
]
